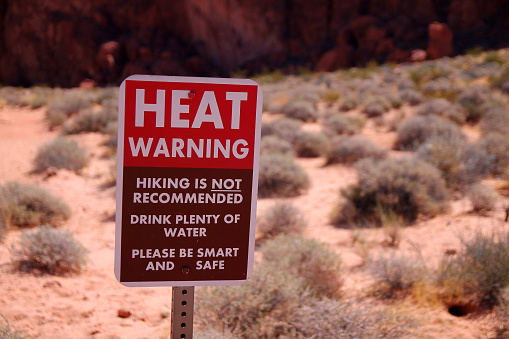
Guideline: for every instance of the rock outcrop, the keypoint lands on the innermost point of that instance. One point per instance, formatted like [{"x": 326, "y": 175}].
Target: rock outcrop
[{"x": 64, "y": 42}]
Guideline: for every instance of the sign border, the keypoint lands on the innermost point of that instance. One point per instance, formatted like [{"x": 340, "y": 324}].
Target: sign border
[{"x": 120, "y": 167}]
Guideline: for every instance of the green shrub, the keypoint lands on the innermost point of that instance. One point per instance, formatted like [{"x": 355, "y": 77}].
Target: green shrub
[
  {"x": 280, "y": 176},
  {"x": 443, "y": 108},
  {"x": 310, "y": 144},
  {"x": 293, "y": 271},
  {"x": 300, "y": 110},
  {"x": 497, "y": 147},
  {"x": 283, "y": 217},
  {"x": 415, "y": 131},
  {"x": 272, "y": 144},
  {"x": 61, "y": 153},
  {"x": 483, "y": 198},
  {"x": 406, "y": 187},
  {"x": 50, "y": 250},
  {"x": 348, "y": 150},
  {"x": 25, "y": 205},
  {"x": 286, "y": 129},
  {"x": 340, "y": 124},
  {"x": 89, "y": 120},
  {"x": 7, "y": 331},
  {"x": 460, "y": 163},
  {"x": 480, "y": 269},
  {"x": 396, "y": 274}
]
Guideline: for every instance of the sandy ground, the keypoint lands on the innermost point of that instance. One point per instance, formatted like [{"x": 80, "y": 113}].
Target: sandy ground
[{"x": 86, "y": 305}]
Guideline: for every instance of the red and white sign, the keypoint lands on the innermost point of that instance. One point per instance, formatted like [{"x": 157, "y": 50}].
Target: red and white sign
[{"x": 187, "y": 180}]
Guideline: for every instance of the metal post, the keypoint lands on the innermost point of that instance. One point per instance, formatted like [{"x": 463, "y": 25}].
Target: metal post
[{"x": 182, "y": 308}]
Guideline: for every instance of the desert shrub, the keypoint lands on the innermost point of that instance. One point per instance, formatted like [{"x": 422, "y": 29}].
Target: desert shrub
[
  {"x": 111, "y": 130},
  {"x": 310, "y": 144},
  {"x": 214, "y": 333},
  {"x": 330, "y": 96},
  {"x": 50, "y": 250},
  {"x": 376, "y": 106},
  {"x": 286, "y": 129},
  {"x": 472, "y": 99},
  {"x": 3, "y": 225},
  {"x": 338, "y": 319},
  {"x": 292, "y": 272},
  {"x": 7, "y": 331},
  {"x": 397, "y": 274},
  {"x": 497, "y": 146},
  {"x": 406, "y": 187},
  {"x": 443, "y": 108},
  {"x": 300, "y": 110},
  {"x": 480, "y": 269},
  {"x": 459, "y": 162},
  {"x": 280, "y": 176},
  {"x": 340, "y": 124},
  {"x": 60, "y": 153},
  {"x": 314, "y": 263},
  {"x": 411, "y": 96},
  {"x": 16, "y": 97},
  {"x": 26, "y": 205},
  {"x": 348, "y": 150},
  {"x": 89, "y": 120},
  {"x": 483, "y": 198},
  {"x": 502, "y": 312},
  {"x": 440, "y": 88},
  {"x": 349, "y": 103},
  {"x": 495, "y": 118},
  {"x": 272, "y": 144},
  {"x": 413, "y": 132},
  {"x": 62, "y": 106},
  {"x": 283, "y": 217}
]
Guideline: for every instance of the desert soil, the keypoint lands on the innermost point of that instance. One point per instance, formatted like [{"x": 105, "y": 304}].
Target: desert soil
[{"x": 87, "y": 305}]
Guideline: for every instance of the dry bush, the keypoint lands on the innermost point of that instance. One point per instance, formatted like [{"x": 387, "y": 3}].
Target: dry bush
[
  {"x": 7, "y": 331},
  {"x": 293, "y": 272},
  {"x": 497, "y": 147},
  {"x": 415, "y": 131},
  {"x": 348, "y": 150},
  {"x": 310, "y": 144},
  {"x": 443, "y": 108},
  {"x": 26, "y": 205},
  {"x": 338, "y": 319},
  {"x": 280, "y": 176},
  {"x": 283, "y": 217},
  {"x": 300, "y": 110},
  {"x": 88, "y": 120},
  {"x": 495, "y": 118},
  {"x": 61, "y": 153},
  {"x": 480, "y": 269},
  {"x": 50, "y": 250},
  {"x": 406, "y": 187},
  {"x": 411, "y": 96},
  {"x": 339, "y": 124},
  {"x": 397, "y": 275},
  {"x": 460, "y": 163},
  {"x": 272, "y": 144},
  {"x": 440, "y": 88},
  {"x": 483, "y": 198},
  {"x": 67, "y": 103},
  {"x": 349, "y": 102},
  {"x": 376, "y": 106},
  {"x": 473, "y": 99},
  {"x": 286, "y": 129}
]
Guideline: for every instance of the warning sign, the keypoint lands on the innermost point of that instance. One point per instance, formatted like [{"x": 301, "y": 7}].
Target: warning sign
[{"x": 188, "y": 153}]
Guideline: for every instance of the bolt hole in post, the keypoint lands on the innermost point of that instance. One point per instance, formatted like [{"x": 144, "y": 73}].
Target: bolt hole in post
[{"x": 182, "y": 312}]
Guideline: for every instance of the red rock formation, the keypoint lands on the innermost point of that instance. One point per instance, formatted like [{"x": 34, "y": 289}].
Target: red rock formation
[{"x": 59, "y": 42}]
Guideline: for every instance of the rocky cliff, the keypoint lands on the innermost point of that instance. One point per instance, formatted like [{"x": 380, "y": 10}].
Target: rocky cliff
[{"x": 63, "y": 42}]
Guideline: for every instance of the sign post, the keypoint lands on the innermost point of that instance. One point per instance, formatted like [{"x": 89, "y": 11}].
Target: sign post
[{"x": 187, "y": 180}]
